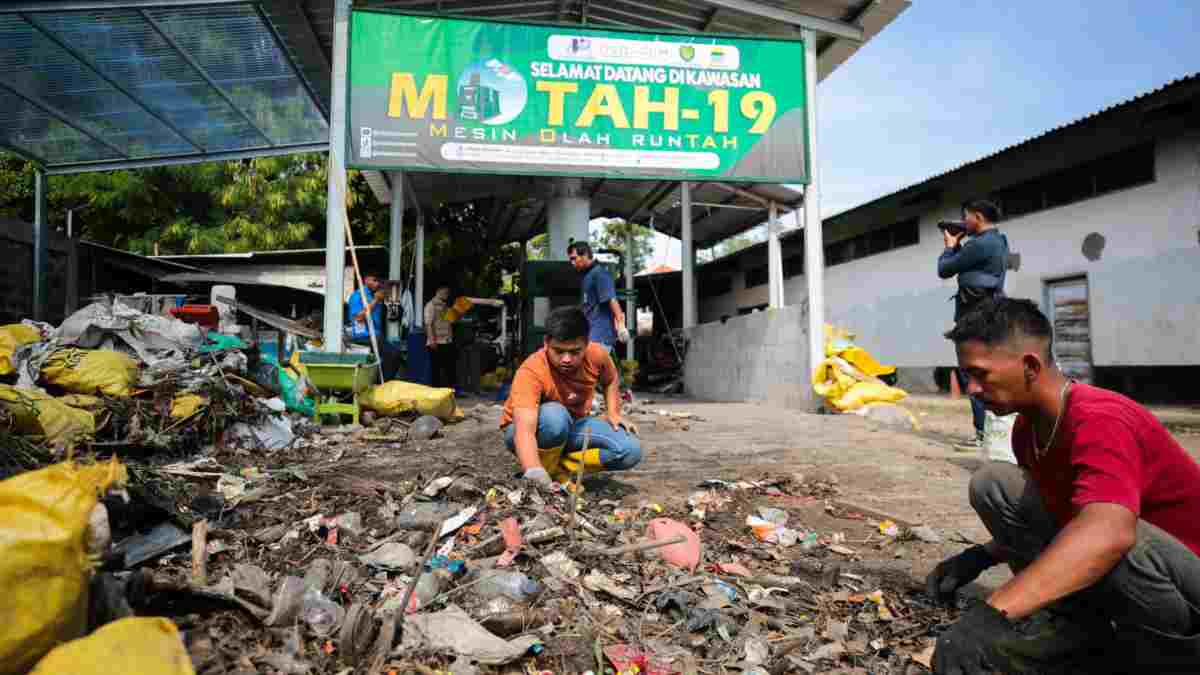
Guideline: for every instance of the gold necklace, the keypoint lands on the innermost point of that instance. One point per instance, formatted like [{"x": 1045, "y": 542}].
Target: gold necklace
[{"x": 1040, "y": 452}]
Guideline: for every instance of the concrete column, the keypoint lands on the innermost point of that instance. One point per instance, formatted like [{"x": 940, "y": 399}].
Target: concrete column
[
  {"x": 419, "y": 285},
  {"x": 568, "y": 213},
  {"x": 774, "y": 260},
  {"x": 396, "y": 243},
  {"x": 814, "y": 238},
  {"x": 687, "y": 255},
  {"x": 41, "y": 248},
  {"x": 335, "y": 209}
]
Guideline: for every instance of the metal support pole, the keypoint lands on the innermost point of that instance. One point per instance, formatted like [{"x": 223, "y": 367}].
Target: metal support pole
[
  {"x": 814, "y": 239},
  {"x": 419, "y": 290},
  {"x": 688, "y": 255},
  {"x": 335, "y": 229},
  {"x": 41, "y": 247},
  {"x": 774, "y": 260},
  {"x": 630, "y": 308},
  {"x": 396, "y": 244}
]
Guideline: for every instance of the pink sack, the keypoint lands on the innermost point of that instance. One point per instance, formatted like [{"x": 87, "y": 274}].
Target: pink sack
[{"x": 685, "y": 555}]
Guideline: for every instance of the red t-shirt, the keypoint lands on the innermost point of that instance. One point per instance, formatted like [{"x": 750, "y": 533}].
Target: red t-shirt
[{"x": 1112, "y": 450}]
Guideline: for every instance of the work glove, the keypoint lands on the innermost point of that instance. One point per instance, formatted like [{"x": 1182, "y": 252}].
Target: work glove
[
  {"x": 539, "y": 477},
  {"x": 969, "y": 646},
  {"x": 623, "y": 335},
  {"x": 955, "y": 572}
]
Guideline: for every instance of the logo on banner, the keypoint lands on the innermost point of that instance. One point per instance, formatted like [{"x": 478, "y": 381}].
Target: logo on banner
[
  {"x": 687, "y": 53},
  {"x": 492, "y": 92}
]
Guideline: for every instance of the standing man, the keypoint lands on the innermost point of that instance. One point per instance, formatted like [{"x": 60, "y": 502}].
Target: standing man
[
  {"x": 439, "y": 338},
  {"x": 981, "y": 264},
  {"x": 547, "y": 416},
  {"x": 606, "y": 319},
  {"x": 366, "y": 304},
  {"x": 1098, "y": 521}
]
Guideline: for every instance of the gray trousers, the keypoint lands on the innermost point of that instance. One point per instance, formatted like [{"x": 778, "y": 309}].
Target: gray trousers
[{"x": 1152, "y": 596}]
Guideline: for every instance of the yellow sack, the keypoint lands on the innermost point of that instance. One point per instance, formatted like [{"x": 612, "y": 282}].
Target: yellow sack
[
  {"x": 398, "y": 397},
  {"x": 83, "y": 371},
  {"x": 489, "y": 382},
  {"x": 44, "y": 565},
  {"x": 13, "y": 336},
  {"x": 142, "y": 645},
  {"x": 863, "y": 393},
  {"x": 454, "y": 312},
  {"x": 186, "y": 405},
  {"x": 840, "y": 342},
  {"x": 36, "y": 413}
]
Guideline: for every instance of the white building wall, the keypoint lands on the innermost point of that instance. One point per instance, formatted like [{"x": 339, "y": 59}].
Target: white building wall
[{"x": 1145, "y": 288}]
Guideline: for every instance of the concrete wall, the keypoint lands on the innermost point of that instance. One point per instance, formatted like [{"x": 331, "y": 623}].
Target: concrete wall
[
  {"x": 1143, "y": 287},
  {"x": 757, "y": 357}
]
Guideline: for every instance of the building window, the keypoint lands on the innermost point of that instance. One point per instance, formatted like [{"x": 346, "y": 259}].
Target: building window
[
  {"x": 1118, "y": 171},
  {"x": 756, "y": 276},
  {"x": 897, "y": 235},
  {"x": 711, "y": 286}
]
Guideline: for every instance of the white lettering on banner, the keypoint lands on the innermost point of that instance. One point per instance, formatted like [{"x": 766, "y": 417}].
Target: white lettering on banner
[{"x": 577, "y": 156}]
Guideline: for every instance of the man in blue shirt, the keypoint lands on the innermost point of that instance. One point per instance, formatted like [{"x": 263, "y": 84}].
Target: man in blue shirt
[
  {"x": 981, "y": 264},
  {"x": 606, "y": 319},
  {"x": 360, "y": 334}
]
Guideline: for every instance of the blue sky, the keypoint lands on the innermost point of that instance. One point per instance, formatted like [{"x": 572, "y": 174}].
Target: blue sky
[{"x": 952, "y": 80}]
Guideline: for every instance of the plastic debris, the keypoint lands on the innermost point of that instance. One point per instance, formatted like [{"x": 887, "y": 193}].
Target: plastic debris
[
  {"x": 425, "y": 428},
  {"x": 453, "y": 630},
  {"x": 426, "y": 515},
  {"x": 926, "y": 534},
  {"x": 685, "y": 555},
  {"x": 452, "y": 524},
  {"x": 629, "y": 659},
  {"x": 390, "y": 556},
  {"x": 601, "y": 582},
  {"x": 321, "y": 615},
  {"x": 889, "y": 528},
  {"x": 436, "y": 485},
  {"x": 512, "y": 585}
]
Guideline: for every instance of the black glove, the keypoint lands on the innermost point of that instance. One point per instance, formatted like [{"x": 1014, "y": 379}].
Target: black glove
[
  {"x": 968, "y": 647},
  {"x": 953, "y": 573}
]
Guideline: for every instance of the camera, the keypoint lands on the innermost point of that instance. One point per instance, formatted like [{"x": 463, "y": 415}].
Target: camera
[{"x": 954, "y": 227}]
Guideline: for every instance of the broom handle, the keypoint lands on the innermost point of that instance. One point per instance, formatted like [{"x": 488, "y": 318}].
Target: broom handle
[{"x": 362, "y": 293}]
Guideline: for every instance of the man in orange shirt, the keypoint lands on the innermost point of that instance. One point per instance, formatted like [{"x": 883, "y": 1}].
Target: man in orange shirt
[{"x": 547, "y": 415}]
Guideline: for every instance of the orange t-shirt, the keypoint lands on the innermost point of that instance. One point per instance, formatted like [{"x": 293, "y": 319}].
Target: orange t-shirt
[{"x": 537, "y": 382}]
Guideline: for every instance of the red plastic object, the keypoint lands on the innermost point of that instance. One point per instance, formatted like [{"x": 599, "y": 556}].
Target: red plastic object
[
  {"x": 204, "y": 315},
  {"x": 685, "y": 555}
]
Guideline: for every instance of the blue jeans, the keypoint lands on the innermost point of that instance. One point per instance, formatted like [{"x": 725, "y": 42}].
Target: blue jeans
[{"x": 619, "y": 450}]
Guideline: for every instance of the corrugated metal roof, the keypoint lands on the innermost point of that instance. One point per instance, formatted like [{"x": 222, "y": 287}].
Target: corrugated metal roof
[{"x": 1193, "y": 79}]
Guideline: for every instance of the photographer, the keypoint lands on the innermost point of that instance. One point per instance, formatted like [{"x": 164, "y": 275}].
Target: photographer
[{"x": 980, "y": 263}]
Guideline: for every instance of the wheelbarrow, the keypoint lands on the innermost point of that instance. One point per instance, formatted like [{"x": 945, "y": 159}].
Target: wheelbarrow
[{"x": 337, "y": 377}]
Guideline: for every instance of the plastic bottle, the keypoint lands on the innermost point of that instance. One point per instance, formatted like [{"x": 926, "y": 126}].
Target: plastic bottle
[
  {"x": 322, "y": 615},
  {"x": 428, "y": 587},
  {"x": 512, "y": 585}
]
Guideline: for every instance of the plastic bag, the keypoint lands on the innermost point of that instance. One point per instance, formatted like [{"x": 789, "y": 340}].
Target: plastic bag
[
  {"x": 186, "y": 405},
  {"x": 997, "y": 438},
  {"x": 83, "y": 371},
  {"x": 454, "y": 312},
  {"x": 863, "y": 393},
  {"x": 142, "y": 645},
  {"x": 848, "y": 378},
  {"x": 82, "y": 401},
  {"x": 40, "y": 414},
  {"x": 44, "y": 564},
  {"x": 12, "y": 337},
  {"x": 398, "y": 397}
]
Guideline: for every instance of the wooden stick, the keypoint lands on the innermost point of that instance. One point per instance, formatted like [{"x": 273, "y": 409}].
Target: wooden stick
[
  {"x": 573, "y": 500},
  {"x": 200, "y": 553},
  {"x": 362, "y": 293},
  {"x": 433, "y": 541},
  {"x": 643, "y": 546}
]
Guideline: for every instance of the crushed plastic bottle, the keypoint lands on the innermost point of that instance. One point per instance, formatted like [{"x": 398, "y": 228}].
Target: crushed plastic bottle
[
  {"x": 426, "y": 427},
  {"x": 428, "y": 587},
  {"x": 510, "y": 584},
  {"x": 322, "y": 615}
]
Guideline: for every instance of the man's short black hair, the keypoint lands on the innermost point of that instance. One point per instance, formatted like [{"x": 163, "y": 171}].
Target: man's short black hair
[
  {"x": 566, "y": 324},
  {"x": 995, "y": 321},
  {"x": 983, "y": 207},
  {"x": 580, "y": 248}
]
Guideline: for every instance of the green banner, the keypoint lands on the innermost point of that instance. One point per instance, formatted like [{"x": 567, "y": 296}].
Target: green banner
[{"x": 470, "y": 96}]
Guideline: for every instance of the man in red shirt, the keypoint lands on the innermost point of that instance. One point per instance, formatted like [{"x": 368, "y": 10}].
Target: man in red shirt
[
  {"x": 1100, "y": 522},
  {"x": 547, "y": 417}
]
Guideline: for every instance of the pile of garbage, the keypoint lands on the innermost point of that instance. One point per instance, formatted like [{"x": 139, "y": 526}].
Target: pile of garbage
[
  {"x": 412, "y": 547},
  {"x": 852, "y": 381}
]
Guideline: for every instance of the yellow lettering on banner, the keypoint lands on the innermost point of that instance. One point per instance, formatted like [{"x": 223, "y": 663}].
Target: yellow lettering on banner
[
  {"x": 436, "y": 131},
  {"x": 558, "y": 92},
  {"x": 643, "y": 107},
  {"x": 403, "y": 95},
  {"x": 760, "y": 107},
  {"x": 603, "y": 101},
  {"x": 719, "y": 100}
]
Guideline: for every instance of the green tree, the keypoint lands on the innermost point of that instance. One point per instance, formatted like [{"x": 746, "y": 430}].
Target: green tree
[{"x": 615, "y": 234}]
